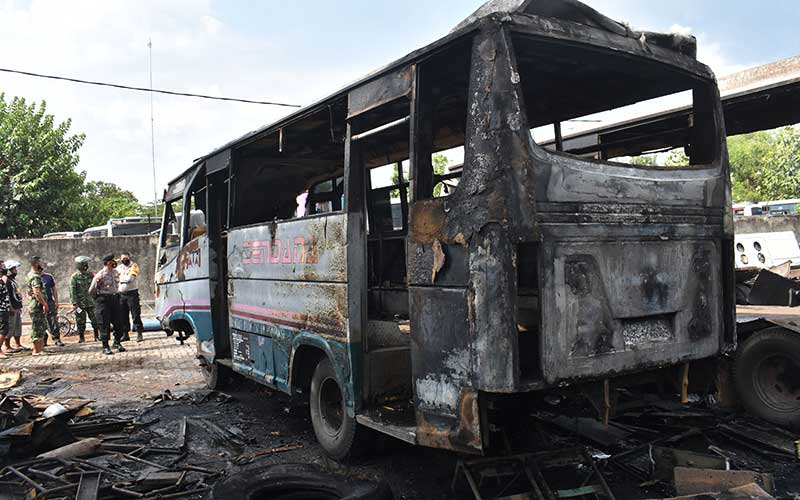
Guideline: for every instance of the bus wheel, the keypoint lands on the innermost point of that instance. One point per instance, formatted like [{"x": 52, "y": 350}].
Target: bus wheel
[
  {"x": 767, "y": 375},
  {"x": 216, "y": 376},
  {"x": 334, "y": 428}
]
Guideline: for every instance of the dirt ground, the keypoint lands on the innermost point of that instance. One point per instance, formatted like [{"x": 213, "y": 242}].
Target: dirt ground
[{"x": 133, "y": 384}]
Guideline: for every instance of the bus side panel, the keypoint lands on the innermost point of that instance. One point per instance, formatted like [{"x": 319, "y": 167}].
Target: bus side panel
[
  {"x": 287, "y": 279},
  {"x": 183, "y": 294}
]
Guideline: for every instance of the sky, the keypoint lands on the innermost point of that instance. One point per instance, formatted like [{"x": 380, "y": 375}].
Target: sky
[{"x": 293, "y": 52}]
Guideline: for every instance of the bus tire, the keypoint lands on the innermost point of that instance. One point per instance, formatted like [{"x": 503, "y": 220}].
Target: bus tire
[
  {"x": 767, "y": 376},
  {"x": 296, "y": 481},
  {"x": 334, "y": 428},
  {"x": 217, "y": 377}
]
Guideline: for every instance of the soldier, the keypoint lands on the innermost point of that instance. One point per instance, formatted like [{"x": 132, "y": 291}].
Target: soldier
[
  {"x": 15, "y": 312},
  {"x": 82, "y": 302},
  {"x": 37, "y": 305},
  {"x": 51, "y": 294},
  {"x": 129, "y": 297},
  {"x": 105, "y": 286}
]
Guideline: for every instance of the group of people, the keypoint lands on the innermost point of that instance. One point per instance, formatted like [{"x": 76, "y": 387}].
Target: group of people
[{"x": 109, "y": 298}]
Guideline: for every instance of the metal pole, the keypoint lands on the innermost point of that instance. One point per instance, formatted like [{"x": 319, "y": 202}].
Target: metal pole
[{"x": 152, "y": 132}]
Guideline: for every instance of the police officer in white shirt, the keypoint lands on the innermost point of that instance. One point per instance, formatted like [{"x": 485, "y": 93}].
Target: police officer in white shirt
[{"x": 129, "y": 297}]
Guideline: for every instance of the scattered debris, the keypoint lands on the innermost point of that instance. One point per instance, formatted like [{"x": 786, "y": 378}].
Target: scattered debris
[
  {"x": 772, "y": 289},
  {"x": 690, "y": 481},
  {"x": 9, "y": 379},
  {"x": 747, "y": 492}
]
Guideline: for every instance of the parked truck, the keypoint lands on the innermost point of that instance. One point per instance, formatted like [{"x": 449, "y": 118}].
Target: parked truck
[{"x": 535, "y": 270}]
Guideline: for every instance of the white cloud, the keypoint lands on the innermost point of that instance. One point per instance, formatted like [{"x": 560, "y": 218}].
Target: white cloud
[{"x": 680, "y": 30}]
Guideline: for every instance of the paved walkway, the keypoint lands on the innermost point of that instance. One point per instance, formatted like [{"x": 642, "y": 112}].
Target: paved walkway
[{"x": 158, "y": 352}]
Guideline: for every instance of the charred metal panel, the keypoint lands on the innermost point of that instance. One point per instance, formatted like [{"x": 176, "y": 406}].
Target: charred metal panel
[
  {"x": 320, "y": 308},
  {"x": 219, "y": 161},
  {"x": 563, "y": 179},
  {"x": 311, "y": 249},
  {"x": 612, "y": 307},
  {"x": 381, "y": 91},
  {"x": 442, "y": 367}
]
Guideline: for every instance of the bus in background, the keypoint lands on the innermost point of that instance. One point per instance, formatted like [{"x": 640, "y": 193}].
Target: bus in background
[
  {"x": 125, "y": 226},
  {"x": 772, "y": 208},
  {"x": 536, "y": 270}
]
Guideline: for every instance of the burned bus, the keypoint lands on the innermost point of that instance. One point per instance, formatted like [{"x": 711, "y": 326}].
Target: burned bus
[{"x": 325, "y": 261}]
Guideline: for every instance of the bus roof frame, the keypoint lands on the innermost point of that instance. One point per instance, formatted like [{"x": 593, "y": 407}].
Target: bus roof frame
[{"x": 631, "y": 44}]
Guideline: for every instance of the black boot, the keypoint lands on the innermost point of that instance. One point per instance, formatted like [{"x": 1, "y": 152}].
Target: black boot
[
  {"x": 139, "y": 336},
  {"x": 106, "y": 349},
  {"x": 58, "y": 343},
  {"x": 96, "y": 338},
  {"x": 81, "y": 338},
  {"x": 118, "y": 346},
  {"x": 126, "y": 337}
]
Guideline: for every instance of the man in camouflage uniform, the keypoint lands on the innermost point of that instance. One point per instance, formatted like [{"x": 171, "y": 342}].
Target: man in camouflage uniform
[
  {"x": 37, "y": 306},
  {"x": 81, "y": 300}
]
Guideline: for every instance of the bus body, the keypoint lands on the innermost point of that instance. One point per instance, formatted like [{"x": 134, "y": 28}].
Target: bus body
[
  {"x": 125, "y": 226},
  {"x": 534, "y": 269},
  {"x": 772, "y": 208}
]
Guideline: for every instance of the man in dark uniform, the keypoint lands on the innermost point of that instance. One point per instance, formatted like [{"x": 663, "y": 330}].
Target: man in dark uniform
[{"x": 105, "y": 286}]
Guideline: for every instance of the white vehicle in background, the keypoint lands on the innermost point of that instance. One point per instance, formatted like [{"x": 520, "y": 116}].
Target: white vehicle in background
[
  {"x": 776, "y": 207},
  {"x": 125, "y": 226},
  {"x": 62, "y": 235},
  {"x": 766, "y": 250}
]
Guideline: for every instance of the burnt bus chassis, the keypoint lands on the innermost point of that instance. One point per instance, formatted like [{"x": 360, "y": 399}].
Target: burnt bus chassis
[{"x": 463, "y": 251}]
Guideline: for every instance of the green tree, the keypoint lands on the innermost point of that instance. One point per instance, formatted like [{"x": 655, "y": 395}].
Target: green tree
[
  {"x": 439, "y": 163},
  {"x": 765, "y": 165},
  {"x": 39, "y": 186},
  {"x": 102, "y": 201},
  {"x": 677, "y": 158},
  {"x": 644, "y": 161}
]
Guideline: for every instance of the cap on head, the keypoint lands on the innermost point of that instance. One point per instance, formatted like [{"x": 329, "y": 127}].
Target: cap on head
[
  {"x": 11, "y": 264},
  {"x": 35, "y": 260},
  {"x": 109, "y": 258}
]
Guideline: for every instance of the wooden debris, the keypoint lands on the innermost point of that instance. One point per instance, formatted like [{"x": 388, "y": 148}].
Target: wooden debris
[{"x": 690, "y": 481}]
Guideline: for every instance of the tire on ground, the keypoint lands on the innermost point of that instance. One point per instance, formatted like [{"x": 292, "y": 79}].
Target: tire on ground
[
  {"x": 767, "y": 376},
  {"x": 296, "y": 481},
  {"x": 334, "y": 428}
]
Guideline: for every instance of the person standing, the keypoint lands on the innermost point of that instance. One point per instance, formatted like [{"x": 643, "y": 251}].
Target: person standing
[
  {"x": 5, "y": 305},
  {"x": 105, "y": 287},
  {"x": 37, "y": 305},
  {"x": 129, "y": 297},
  {"x": 82, "y": 302},
  {"x": 51, "y": 294},
  {"x": 15, "y": 312}
]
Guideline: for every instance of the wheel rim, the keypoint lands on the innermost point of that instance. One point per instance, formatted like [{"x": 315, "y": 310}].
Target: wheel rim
[
  {"x": 777, "y": 382},
  {"x": 331, "y": 406}
]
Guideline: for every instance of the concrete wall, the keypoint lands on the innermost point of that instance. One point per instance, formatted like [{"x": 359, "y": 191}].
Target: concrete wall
[
  {"x": 767, "y": 224},
  {"x": 59, "y": 255}
]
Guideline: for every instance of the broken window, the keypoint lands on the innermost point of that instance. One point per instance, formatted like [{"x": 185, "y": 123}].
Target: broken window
[
  {"x": 442, "y": 120},
  {"x": 570, "y": 90},
  {"x": 294, "y": 172}
]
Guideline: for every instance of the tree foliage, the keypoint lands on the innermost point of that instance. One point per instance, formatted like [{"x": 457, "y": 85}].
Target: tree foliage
[
  {"x": 765, "y": 165},
  {"x": 102, "y": 201},
  {"x": 41, "y": 190}
]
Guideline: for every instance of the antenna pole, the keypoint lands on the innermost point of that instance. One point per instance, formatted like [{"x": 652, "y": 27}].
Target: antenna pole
[{"x": 152, "y": 132}]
